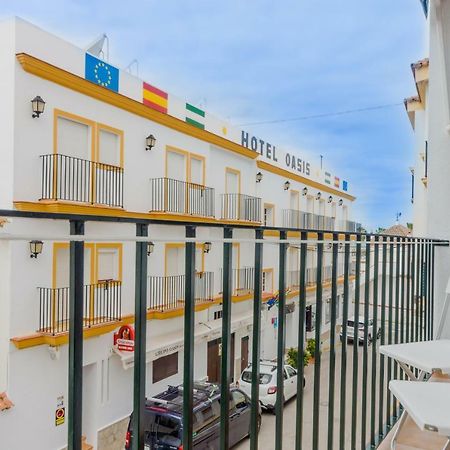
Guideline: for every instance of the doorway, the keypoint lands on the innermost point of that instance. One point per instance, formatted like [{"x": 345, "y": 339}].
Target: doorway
[
  {"x": 244, "y": 352},
  {"x": 214, "y": 359}
]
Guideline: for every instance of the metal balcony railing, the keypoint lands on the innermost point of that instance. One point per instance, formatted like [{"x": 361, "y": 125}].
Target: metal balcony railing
[
  {"x": 293, "y": 218},
  {"x": 242, "y": 281},
  {"x": 348, "y": 225},
  {"x": 167, "y": 293},
  {"x": 78, "y": 180},
  {"x": 181, "y": 197},
  {"x": 241, "y": 207},
  {"x": 101, "y": 304},
  {"x": 346, "y": 402}
]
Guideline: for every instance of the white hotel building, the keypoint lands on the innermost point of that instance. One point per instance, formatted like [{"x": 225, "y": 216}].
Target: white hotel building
[{"x": 87, "y": 153}]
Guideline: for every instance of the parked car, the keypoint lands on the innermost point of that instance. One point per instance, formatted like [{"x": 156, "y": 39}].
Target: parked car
[
  {"x": 164, "y": 418},
  {"x": 268, "y": 383},
  {"x": 350, "y": 330}
]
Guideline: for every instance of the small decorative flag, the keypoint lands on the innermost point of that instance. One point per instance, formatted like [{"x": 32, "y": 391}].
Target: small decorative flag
[
  {"x": 327, "y": 177},
  {"x": 337, "y": 182},
  {"x": 195, "y": 116},
  {"x": 154, "y": 98},
  {"x": 101, "y": 73},
  {"x": 345, "y": 185}
]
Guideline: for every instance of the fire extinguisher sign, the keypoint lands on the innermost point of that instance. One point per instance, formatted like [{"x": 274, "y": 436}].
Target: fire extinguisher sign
[{"x": 60, "y": 416}]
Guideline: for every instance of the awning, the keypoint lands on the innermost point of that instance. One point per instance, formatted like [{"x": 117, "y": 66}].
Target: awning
[{"x": 169, "y": 343}]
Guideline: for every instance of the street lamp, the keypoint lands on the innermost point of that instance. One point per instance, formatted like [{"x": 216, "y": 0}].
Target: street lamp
[
  {"x": 38, "y": 106},
  {"x": 36, "y": 248},
  {"x": 150, "y": 142}
]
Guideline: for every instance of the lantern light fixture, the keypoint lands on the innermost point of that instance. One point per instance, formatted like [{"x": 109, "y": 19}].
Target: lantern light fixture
[
  {"x": 305, "y": 190},
  {"x": 207, "y": 247},
  {"x": 287, "y": 185},
  {"x": 150, "y": 142},
  {"x": 150, "y": 248},
  {"x": 38, "y": 106},
  {"x": 341, "y": 202},
  {"x": 330, "y": 199},
  {"x": 259, "y": 177},
  {"x": 319, "y": 196},
  {"x": 36, "y": 248}
]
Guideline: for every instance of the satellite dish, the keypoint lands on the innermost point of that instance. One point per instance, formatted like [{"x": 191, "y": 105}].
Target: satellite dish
[{"x": 96, "y": 47}]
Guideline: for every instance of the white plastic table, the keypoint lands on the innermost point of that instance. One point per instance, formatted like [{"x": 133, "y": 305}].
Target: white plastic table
[
  {"x": 427, "y": 356},
  {"x": 426, "y": 403}
]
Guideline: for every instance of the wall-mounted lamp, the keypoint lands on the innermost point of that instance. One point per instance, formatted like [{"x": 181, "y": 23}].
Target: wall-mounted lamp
[
  {"x": 150, "y": 142},
  {"x": 341, "y": 202},
  {"x": 38, "y": 106},
  {"x": 330, "y": 199},
  {"x": 36, "y": 248},
  {"x": 207, "y": 247},
  {"x": 305, "y": 191},
  {"x": 287, "y": 185},
  {"x": 150, "y": 248},
  {"x": 319, "y": 196},
  {"x": 259, "y": 177}
]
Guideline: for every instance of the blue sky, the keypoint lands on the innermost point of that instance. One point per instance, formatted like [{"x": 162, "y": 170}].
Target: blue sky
[{"x": 250, "y": 61}]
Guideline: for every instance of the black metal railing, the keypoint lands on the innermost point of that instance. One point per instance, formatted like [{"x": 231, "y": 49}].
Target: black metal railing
[
  {"x": 241, "y": 207},
  {"x": 181, "y": 197},
  {"x": 79, "y": 180},
  {"x": 167, "y": 293},
  {"x": 350, "y": 226},
  {"x": 102, "y": 304},
  {"x": 242, "y": 281},
  {"x": 346, "y": 402}
]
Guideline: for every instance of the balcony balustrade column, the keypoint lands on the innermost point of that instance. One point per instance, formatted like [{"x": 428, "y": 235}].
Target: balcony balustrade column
[
  {"x": 189, "y": 331},
  {"x": 75, "y": 389},
  {"x": 301, "y": 340},
  {"x": 140, "y": 339},
  {"x": 226, "y": 340},
  {"x": 256, "y": 341}
]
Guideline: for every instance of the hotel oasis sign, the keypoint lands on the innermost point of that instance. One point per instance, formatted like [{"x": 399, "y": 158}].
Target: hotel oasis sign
[{"x": 269, "y": 151}]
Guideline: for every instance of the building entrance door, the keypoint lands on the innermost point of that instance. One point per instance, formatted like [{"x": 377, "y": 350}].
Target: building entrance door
[
  {"x": 214, "y": 358},
  {"x": 244, "y": 352}
]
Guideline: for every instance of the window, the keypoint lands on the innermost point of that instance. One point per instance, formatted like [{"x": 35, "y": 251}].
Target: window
[
  {"x": 73, "y": 138},
  {"x": 269, "y": 215},
  {"x": 109, "y": 262},
  {"x": 291, "y": 372},
  {"x": 218, "y": 314},
  {"x": 109, "y": 146},
  {"x": 267, "y": 280},
  {"x": 240, "y": 400},
  {"x": 165, "y": 367}
]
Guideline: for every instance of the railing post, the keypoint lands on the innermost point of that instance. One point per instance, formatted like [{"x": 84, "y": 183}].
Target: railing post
[
  {"x": 75, "y": 391},
  {"x": 256, "y": 340},
  {"x": 301, "y": 340},
  {"x": 332, "y": 369},
  {"x": 317, "y": 353},
  {"x": 140, "y": 339},
  {"x": 189, "y": 330},
  {"x": 226, "y": 339}
]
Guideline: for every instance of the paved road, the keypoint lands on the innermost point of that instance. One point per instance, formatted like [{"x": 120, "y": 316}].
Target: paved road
[{"x": 267, "y": 433}]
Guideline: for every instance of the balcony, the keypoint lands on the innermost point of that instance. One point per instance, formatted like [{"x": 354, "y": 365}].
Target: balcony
[
  {"x": 180, "y": 197},
  {"x": 78, "y": 180},
  {"x": 348, "y": 225},
  {"x": 242, "y": 281},
  {"x": 241, "y": 207},
  {"x": 167, "y": 293},
  {"x": 101, "y": 304},
  {"x": 293, "y": 218}
]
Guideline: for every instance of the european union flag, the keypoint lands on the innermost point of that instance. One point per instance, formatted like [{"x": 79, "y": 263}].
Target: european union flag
[
  {"x": 101, "y": 73},
  {"x": 344, "y": 185}
]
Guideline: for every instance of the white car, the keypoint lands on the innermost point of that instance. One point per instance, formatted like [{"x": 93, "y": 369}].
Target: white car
[
  {"x": 268, "y": 383},
  {"x": 350, "y": 330}
]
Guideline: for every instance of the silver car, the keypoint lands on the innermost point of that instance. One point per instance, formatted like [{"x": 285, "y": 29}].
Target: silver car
[{"x": 360, "y": 325}]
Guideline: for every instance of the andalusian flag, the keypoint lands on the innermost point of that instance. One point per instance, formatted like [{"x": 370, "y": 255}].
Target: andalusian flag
[
  {"x": 337, "y": 182},
  {"x": 154, "y": 98},
  {"x": 195, "y": 116},
  {"x": 327, "y": 177}
]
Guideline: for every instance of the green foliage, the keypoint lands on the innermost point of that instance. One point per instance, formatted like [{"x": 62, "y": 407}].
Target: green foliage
[
  {"x": 311, "y": 347},
  {"x": 292, "y": 357}
]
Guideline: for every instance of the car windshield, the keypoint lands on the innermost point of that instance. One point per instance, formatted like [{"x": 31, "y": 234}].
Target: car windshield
[
  {"x": 264, "y": 378},
  {"x": 350, "y": 323}
]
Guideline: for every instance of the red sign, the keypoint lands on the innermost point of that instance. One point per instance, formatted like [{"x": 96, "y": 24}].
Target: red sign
[{"x": 124, "y": 339}]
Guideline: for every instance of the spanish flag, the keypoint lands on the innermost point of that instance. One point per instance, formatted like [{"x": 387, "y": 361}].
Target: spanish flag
[{"x": 154, "y": 98}]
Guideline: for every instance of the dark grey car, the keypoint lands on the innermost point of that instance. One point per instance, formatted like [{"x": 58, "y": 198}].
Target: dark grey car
[{"x": 164, "y": 420}]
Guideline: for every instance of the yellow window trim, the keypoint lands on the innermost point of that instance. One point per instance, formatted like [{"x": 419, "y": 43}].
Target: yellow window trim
[
  {"x": 189, "y": 156},
  {"x": 268, "y": 206},
  {"x": 111, "y": 245},
  {"x": 66, "y": 79},
  {"x": 269, "y": 271},
  {"x": 293, "y": 176},
  {"x": 236, "y": 172},
  {"x": 294, "y": 191},
  {"x": 117, "y": 132},
  {"x": 170, "y": 245}
]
